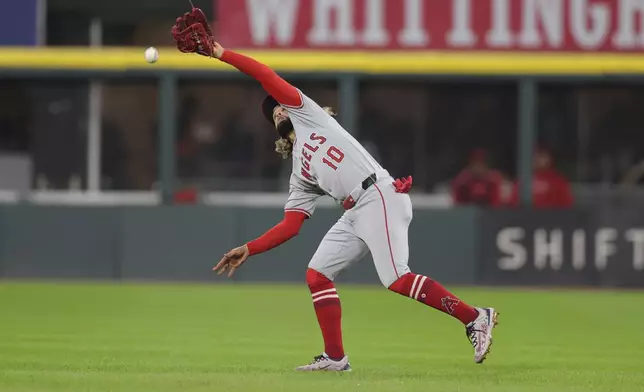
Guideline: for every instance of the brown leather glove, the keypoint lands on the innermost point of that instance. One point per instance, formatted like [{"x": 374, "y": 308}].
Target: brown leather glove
[{"x": 192, "y": 33}]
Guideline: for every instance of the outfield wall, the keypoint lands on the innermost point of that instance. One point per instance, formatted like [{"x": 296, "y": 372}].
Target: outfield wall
[
  {"x": 183, "y": 243},
  {"x": 456, "y": 246}
]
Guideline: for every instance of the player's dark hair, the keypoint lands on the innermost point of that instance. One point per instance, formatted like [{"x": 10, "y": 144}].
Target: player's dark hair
[{"x": 284, "y": 128}]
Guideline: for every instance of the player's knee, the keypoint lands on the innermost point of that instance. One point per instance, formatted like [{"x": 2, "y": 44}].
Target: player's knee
[{"x": 315, "y": 278}]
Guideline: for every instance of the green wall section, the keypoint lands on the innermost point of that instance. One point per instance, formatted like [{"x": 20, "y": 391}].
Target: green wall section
[{"x": 183, "y": 243}]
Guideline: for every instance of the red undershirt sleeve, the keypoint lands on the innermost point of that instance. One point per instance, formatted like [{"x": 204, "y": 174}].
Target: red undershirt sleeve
[
  {"x": 288, "y": 228},
  {"x": 278, "y": 88}
]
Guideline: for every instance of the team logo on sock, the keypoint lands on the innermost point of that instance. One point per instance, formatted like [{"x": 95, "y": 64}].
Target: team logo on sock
[{"x": 449, "y": 304}]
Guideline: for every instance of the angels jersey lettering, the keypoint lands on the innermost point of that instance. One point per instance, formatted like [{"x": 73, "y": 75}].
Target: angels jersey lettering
[{"x": 326, "y": 158}]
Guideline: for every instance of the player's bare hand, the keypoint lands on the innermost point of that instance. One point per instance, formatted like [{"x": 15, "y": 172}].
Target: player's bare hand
[
  {"x": 232, "y": 260},
  {"x": 217, "y": 50}
]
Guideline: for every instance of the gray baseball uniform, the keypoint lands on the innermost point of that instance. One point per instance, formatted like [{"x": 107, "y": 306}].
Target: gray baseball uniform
[{"x": 328, "y": 160}]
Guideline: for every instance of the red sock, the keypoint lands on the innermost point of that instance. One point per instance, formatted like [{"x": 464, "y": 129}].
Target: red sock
[
  {"x": 328, "y": 311},
  {"x": 432, "y": 293}
]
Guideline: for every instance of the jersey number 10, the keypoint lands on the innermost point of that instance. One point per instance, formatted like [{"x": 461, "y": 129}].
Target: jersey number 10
[
  {"x": 333, "y": 154},
  {"x": 336, "y": 156}
]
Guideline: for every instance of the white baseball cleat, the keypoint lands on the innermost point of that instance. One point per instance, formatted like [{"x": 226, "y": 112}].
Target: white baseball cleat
[
  {"x": 324, "y": 363},
  {"x": 479, "y": 332}
]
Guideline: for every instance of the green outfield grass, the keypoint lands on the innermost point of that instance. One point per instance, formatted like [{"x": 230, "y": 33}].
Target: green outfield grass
[{"x": 72, "y": 337}]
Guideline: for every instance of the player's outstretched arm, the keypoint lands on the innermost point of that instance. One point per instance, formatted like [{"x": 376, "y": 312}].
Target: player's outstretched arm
[
  {"x": 192, "y": 34},
  {"x": 280, "y": 89},
  {"x": 288, "y": 228}
]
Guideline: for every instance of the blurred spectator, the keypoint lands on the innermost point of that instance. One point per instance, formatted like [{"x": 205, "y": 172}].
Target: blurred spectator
[
  {"x": 186, "y": 195},
  {"x": 550, "y": 189},
  {"x": 477, "y": 184}
]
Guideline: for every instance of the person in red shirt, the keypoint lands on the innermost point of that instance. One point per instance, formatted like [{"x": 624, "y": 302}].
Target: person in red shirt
[
  {"x": 477, "y": 184},
  {"x": 550, "y": 189}
]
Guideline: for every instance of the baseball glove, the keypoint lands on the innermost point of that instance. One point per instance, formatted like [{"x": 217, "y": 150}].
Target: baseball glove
[{"x": 192, "y": 33}]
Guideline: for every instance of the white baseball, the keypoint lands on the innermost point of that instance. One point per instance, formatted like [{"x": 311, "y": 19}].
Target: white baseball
[{"x": 151, "y": 55}]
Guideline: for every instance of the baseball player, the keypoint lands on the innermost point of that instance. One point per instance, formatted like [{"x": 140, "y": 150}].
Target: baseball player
[{"x": 327, "y": 160}]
